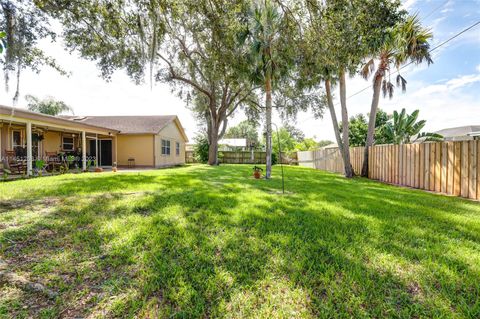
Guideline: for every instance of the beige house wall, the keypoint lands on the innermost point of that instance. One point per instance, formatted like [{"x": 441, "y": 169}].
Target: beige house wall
[
  {"x": 170, "y": 132},
  {"x": 139, "y": 147},
  {"x": 52, "y": 142},
  {"x": 144, "y": 148}
]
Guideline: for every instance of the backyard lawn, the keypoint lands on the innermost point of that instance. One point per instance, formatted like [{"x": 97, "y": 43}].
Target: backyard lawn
[{"x": 211, "y": 242}]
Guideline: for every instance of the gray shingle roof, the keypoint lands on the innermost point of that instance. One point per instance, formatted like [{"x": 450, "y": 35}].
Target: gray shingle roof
[
  {"x": 127, "y": 124},
  {"x": 459, "y": 131}
]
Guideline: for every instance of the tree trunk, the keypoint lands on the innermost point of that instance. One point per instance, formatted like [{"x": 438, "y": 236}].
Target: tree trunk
[
  {"x": 213, "y": 145},
  {"x": 377, "y": 87},
  {"x": 224, "y": 129},
  {"x": 333, "y": 115},
  {"x": 345, "y": 129},
  {"x": 268, "y": 102}
]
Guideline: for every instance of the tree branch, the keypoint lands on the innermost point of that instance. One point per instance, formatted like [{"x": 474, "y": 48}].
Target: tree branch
[{"x": 175, "y": 76}]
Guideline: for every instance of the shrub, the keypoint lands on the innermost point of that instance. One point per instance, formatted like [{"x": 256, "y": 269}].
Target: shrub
[
  {"x": 274, "y": 158},
  {"x": 201, "y": 149}
]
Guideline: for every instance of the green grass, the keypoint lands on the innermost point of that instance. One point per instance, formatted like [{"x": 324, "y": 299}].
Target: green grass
[{"x": 211, "y": 242}]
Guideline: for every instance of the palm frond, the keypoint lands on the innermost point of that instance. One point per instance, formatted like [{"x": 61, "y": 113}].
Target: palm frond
[
  {"x": 413, "y": 41},
  {"x": 390, "y": 89},
  {"x": 402, "y": 82},
  {"x": 367, "y": 69},
  {"x": 384, "y": 88}
]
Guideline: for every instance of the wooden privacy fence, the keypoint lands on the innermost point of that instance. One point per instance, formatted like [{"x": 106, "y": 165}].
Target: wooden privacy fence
[
  {"x": 330, "y": 159},
  {"x": 451, "y": 168},
  {"x": 232, "y": 157},
  {"x": 448, "y": 167},
  {"x": 242, "y": 157}
]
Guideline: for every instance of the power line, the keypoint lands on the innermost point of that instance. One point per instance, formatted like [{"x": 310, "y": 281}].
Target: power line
[
  {"x": 456, "y": 35},
  {"x": 434, "y": 10}
]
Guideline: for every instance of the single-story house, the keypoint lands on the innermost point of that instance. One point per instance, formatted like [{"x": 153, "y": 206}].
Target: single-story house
[
  {"x": 233, "y": 144},
  {"x": 143, "y": 141},
  {"x": 462, "y": 133}
]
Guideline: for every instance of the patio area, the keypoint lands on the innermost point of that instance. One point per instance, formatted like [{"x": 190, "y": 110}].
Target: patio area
[{"x": 31, "y": 146}]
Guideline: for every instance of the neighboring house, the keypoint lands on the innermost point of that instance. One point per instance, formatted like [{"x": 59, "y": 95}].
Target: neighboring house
[
  {"x": 152, "y": 141},
  {"x": 233, "y": 144},
  {"x": 462, "y": 133},
  {"x": 332, "y": 145}
]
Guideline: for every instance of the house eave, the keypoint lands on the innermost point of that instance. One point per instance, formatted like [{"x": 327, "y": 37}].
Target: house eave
[{"x": 11, "y": 114}]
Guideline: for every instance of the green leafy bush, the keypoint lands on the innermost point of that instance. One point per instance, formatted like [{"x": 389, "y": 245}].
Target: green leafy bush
[
  {"x": 274, "y": 158},
  {"x": 201, "y": 149}
]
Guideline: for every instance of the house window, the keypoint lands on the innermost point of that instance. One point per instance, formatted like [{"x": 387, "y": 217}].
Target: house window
[
  {"x": 16, "y": 139},
  {"x": 177, "y": 148},
  {"x": 165, "y": 147},
  {"x": 67, "y": 143}
]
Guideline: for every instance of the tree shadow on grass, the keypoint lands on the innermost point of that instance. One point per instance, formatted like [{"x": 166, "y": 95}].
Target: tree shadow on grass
[{"x": 222, "y": 245}]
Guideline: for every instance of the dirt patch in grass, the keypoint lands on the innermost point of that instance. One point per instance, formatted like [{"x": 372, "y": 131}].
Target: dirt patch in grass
[{"x": 13, "y": 204}]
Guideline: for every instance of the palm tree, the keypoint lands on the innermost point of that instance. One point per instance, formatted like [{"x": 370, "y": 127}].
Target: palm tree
[
  {"x": 48, "y": 105},
  {"x": 407, "y": 42},
  {"x": 403, "y": 128},
  {"x": 263, "y": 33}
]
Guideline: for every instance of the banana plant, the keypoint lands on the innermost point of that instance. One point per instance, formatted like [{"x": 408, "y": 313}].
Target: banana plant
[{"x": 405, "y": 128}]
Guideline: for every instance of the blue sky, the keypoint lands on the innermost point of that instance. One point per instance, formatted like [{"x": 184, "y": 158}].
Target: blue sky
[
  {"x": 447, "y": 92},
  {"x": 460, "y": 56}
]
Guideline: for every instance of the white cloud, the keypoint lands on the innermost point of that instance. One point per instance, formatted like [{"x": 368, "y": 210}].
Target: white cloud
[
  {"x": 449, "y": 86},
  {"x": 463, "y": 80},
  {"x": 408, "y": 4}
]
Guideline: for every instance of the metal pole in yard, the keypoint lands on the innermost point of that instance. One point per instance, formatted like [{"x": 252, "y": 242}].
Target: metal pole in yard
[
  {"x": 280, "y": 158},
  {"x": 96, "y": 151}
]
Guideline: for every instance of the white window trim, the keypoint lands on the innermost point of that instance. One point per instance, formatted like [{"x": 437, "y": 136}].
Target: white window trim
[
  {"x": 169, "y": 147},
  {"x": 177, "y": 149},
  {"x": 21, "y": 139},
  {"x": 73, "y": 143}
]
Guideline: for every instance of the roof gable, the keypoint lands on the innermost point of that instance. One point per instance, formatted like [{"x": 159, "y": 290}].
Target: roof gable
[{"x": 179, "y": 127}]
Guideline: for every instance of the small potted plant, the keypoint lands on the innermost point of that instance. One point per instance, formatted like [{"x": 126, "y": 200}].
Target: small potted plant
[
  {"x": 39, "y": 167},
  {"x": 257, "y": 172},
  {"x": 70, "y": 160},
  {"x": 114, "y": 167},
  {"x": 89, "y": 165}
]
